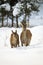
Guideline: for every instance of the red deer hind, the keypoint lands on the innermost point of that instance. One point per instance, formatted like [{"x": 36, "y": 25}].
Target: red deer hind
[{"x": 25, "y": 36}]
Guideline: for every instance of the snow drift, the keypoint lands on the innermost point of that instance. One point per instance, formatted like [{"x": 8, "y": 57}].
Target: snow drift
[{"x": 31, "y": 55}]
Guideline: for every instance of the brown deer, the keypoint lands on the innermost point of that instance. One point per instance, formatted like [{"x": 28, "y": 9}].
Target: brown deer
[
  {"x": 26, "y": 35},
  {"x": 14, "y": 39}
]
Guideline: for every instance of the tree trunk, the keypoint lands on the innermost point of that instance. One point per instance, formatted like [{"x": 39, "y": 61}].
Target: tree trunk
[
  {"x": 17, "y": 21},
  {"x": 12, "y": 20},
  {"x": 7, "y": 16},
  {"x": 2, "y": 20},
  {"x": 7, "y": 20},
  {"x": 28, "y": 21},
  {"x": 25, "y": 11},
  {"x": 25, "y": 18}
]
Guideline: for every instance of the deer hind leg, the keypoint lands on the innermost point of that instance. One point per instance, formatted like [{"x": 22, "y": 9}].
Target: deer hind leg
[
  {"x": 29, "y": 41},
  {"x": 18, "y": 45},
  {"x": 26, "y": 42},
  {"x": 21, "y": 43},
  {"x": 11, "y": 46},
  {"x": 15, "y": 45}
]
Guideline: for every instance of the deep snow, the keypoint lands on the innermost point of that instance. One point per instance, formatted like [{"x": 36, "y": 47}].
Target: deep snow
[
  {"x": 31, "y": 55},
  {"x": 37, "y": 35}
]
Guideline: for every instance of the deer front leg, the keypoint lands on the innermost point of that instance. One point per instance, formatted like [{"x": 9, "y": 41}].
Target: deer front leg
[
  {"x": 11, "y": 46},
  {"x": 21, "y": 44}
]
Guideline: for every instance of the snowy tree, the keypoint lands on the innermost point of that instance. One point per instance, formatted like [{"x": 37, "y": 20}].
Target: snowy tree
[
  {"x": 17, "y": 12},
  {"x": 28, "y": 6},
  {"x": 3, "y": 13},
  {"x": 4, "y": 10},
  {"x": 21, "y": 7},
  {"x": 13, "y": 2}
]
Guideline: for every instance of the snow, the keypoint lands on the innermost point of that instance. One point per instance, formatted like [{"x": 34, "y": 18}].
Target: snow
[
  {"x": 25, "y": 57},
  {"x": 28, "y": 5},
  {"x": 16, "y": 12},
  {"x": 37, "y": 35},
  {"x": 31, "y": 55},
  {"x": 16, "y": 8},
  {"x": 6, "y": 6}
]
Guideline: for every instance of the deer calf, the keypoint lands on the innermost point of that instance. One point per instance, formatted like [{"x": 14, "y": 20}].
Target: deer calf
[{"x": 14, "y": 39}]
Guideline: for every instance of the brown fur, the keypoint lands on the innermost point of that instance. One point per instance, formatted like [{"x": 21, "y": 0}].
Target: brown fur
[
  {"x": 14, "y": 39},
  {"x": 25, "y": 36}
]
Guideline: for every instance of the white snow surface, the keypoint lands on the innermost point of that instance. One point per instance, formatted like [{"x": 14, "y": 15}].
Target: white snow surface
[{"x": 30, "y": 55}]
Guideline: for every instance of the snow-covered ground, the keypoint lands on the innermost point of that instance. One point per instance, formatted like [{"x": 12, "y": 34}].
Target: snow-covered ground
[{"x": 31, "y": 55}]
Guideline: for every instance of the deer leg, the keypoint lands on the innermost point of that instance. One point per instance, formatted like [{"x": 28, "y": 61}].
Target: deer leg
[
  {"x": 18, "y": 45},
  {"x": 21, "y": 44},
  {"x": 29, "y": 41},
  {"x": 15, "y": 45},
  {"x": 26, "y": 45},
  {"x": 11, "y": 46}
]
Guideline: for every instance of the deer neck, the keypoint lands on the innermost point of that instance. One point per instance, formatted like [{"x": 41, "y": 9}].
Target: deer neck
[{"x": 24, "y": 29}]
